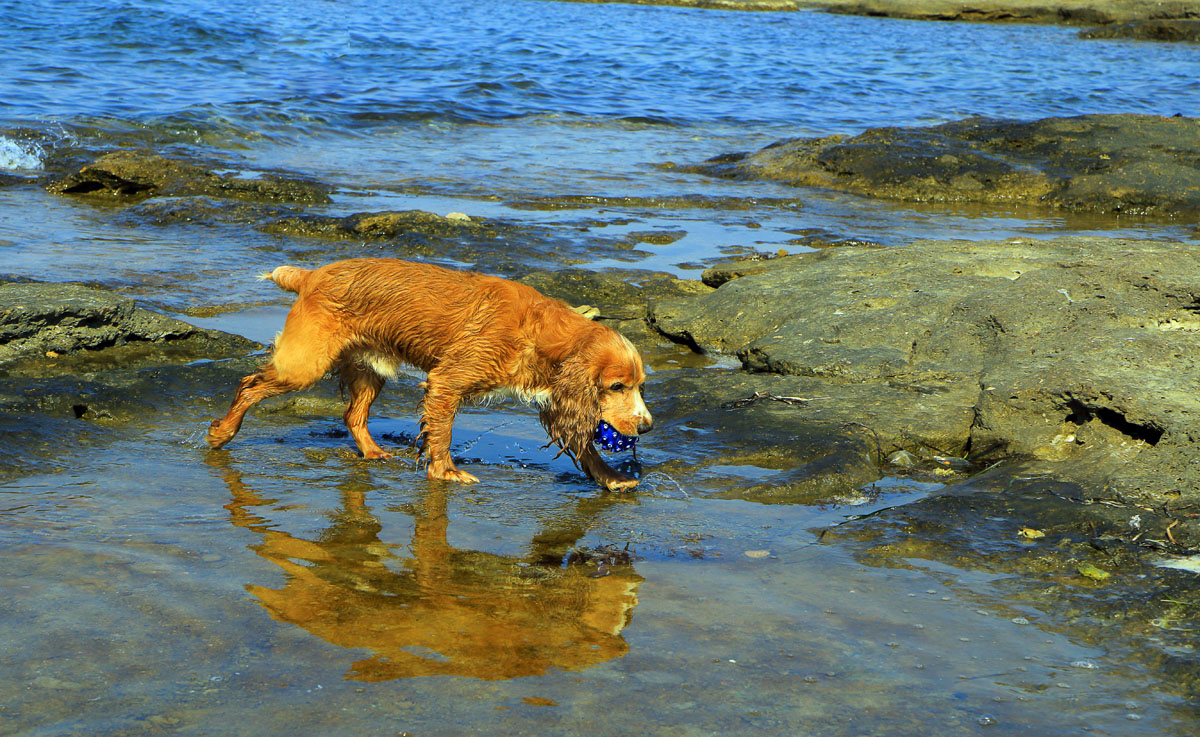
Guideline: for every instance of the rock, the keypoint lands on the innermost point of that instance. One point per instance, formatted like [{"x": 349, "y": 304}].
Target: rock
[
  {"x": 59, "y": 328},
  {"x": 1072, "y": 12},
  {"x": 620, "y": 298},
  {"x": 1090, "y": 571},
  {"x": 201, "y": 211},
  {"x": 1149, "y": 30},
  {"x": 758, "y": 5},
  {"x": 137, "y": 175},
  {"x": 622, "y": 293},
  {"x": 378, "y": 225},
  {"x": 1081, "y": 352},
  {"x": 56, "y": 684},
  {"x": 1129, "y": 164},
  {"x": 724, "y": 271}
]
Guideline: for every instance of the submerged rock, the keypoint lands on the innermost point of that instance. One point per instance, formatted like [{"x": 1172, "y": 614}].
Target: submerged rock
[
  {"x": 136, "y": 175},
  {"x": 50, "y": 329},
  {"x": 1081, "y": 350},
  {"x": 1149, "y": 30},
  {"x": 1119, "y": 164},
  {"x": 196, "y": 210},
  {"x": 379, "y": 225},
  {"x": 1096, "y": 565}
]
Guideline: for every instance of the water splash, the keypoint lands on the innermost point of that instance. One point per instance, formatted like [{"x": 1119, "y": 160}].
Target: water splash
[
  {"x": 656, "y": 488},
  {"x": 197, "y": 439},
  {"x": 17, "y": 156}
]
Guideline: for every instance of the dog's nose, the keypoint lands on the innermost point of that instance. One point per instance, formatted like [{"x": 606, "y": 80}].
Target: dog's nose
[{"x": 645, "y": 425}]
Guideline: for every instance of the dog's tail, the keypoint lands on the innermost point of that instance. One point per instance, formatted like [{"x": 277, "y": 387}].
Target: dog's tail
[{"x": 291, "y": 278}]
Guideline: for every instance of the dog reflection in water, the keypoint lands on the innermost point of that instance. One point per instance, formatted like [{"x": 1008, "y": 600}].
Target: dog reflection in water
[{"x": 443, "y": 611}]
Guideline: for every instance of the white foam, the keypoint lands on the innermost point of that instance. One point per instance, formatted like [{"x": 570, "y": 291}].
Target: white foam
[
  {"x": 1190, "y": 563},
  {"x": 15, "y": 156}
]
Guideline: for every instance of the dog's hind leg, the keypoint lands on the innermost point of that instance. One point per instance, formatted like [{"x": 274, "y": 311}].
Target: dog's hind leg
[
  {"x": 363, "y": 385},
  {"x": 304, "y": 352}
]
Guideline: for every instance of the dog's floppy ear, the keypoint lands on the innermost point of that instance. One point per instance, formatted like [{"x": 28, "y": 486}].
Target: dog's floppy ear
[{"x": 574, "y": 409}]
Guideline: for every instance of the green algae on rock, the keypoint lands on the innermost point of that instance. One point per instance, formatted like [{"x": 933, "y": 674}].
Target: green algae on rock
[
  {"x": 131, "y": 176},
  {"x": 1115, "y": 164},
  {"x": 378, "y": 225}
]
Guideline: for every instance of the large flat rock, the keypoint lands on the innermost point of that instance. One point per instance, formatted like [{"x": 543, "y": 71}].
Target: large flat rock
[
  {"x": 1066, "y": 350},
  {"x": 1117, "y": 164}
]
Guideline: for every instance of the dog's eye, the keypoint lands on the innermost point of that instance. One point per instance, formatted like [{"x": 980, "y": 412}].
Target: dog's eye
[{"x": 617, "y": 387}]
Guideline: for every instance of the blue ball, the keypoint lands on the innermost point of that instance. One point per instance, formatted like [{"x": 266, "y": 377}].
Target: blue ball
[{"x": 608, "y": 438}]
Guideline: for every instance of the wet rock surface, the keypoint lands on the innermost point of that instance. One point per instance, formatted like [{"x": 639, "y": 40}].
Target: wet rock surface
[
  {"x": 621, "y": 297},
  {"x": 1149, "y": 30},
  {"x": 375, "y": 225},
  {"x": 129, "y": 176},
  {"x": 752, "y": 5},
  {"x": 64, "y": 328},
  {"x": 1116, "y": 164},
  {"x": 75, "y": 359},
  {"x": 1080, "y": 352},
  {"x": 1074, "y": 12},
  {"x": 1089, "y": 565}
]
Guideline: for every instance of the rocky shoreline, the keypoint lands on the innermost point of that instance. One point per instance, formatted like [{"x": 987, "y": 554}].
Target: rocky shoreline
[
  {"x": 1067, "y": 12},
  {"x": 1174, "y": 20},
  {"x": 1074, "y": 353}
]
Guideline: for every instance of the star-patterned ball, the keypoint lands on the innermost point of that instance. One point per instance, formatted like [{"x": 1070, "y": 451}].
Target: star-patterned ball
[{"x": 608, "y": 438}]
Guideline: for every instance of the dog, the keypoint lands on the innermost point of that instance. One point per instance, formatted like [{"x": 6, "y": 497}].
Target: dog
[{"x": 474, "y": 336}]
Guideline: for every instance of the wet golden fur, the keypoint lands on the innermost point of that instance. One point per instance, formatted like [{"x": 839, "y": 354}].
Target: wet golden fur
[{"x": 473, "y": 335}]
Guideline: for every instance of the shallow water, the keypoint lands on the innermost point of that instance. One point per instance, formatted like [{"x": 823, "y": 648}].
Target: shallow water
[{"x": 285, "y": 585}]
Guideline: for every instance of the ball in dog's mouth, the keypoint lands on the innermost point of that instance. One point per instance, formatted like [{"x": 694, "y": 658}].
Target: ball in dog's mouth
[{"x": 608, "y": 438}]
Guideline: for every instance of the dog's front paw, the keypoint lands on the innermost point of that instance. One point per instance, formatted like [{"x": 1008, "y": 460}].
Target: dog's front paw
[
  {"x": 619, "y": 482},
  {"x": 377, "y": 455},
  {"x": 451, "y": 474},
  {"x": 217, "y": 435}
]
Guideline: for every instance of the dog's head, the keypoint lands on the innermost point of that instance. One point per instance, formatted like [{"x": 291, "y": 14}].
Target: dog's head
[
  {"x": 621, "y": 384},
  {"x": 602, "y": 380}
]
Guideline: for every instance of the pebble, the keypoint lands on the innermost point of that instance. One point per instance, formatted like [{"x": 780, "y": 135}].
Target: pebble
[
  {"x": 56, "y": 684},
  {"x": 757, "y": 553}
]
